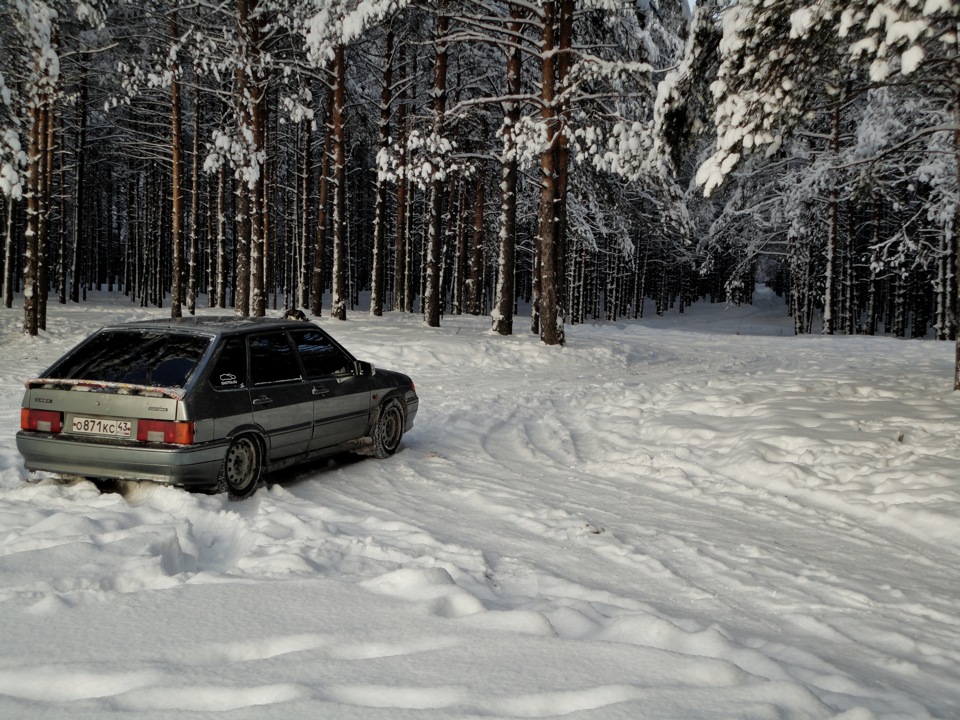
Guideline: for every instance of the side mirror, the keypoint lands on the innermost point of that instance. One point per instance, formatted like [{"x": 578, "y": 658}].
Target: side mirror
[{"x": 365, "y": 369}]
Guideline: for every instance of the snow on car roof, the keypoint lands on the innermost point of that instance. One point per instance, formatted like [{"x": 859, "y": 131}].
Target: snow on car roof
[{"x": 216, "y": 323}]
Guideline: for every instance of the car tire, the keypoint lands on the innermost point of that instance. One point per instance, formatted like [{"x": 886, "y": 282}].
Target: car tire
[
  {"x": 389, "y": 429},
  {"x": 241, "y": 469}
]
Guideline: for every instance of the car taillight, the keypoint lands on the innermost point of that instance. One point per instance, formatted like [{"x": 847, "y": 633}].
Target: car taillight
[
  {"x": 165, "y": 431},
  {"x": 41, "y": 420}
]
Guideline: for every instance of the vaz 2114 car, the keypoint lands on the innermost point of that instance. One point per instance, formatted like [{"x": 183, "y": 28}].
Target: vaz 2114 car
[{"x": 211, "y": 403}]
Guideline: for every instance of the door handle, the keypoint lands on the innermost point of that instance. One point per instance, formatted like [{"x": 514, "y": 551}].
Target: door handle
[
  {"x": 263, "y": 400},
  {"x": 320, "y": 390}
]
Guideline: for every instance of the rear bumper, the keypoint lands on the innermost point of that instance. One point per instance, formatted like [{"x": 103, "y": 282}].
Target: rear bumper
[{"x": 193, "y": 465}]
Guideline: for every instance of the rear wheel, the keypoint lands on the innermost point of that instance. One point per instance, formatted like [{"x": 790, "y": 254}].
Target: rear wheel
[
  {"x": 389, "y": 429},
  {"x": 242, "y": 465}
]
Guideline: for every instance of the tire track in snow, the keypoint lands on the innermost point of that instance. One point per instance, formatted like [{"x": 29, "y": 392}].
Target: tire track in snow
[{"x": 534, "y": 442}]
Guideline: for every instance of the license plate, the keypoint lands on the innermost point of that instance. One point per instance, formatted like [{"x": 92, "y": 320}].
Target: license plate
[{"x": 101, "y": 426}]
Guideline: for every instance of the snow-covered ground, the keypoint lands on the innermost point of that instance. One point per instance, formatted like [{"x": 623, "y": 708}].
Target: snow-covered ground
[{"x": 694, "y": 516}]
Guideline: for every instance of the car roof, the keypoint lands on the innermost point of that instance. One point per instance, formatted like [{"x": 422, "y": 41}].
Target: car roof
[{"x": 213, "y": 324}]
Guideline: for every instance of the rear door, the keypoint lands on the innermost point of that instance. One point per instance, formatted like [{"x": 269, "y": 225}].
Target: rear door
[
  {"x": 282, "y": 402},
  {"x": 229, "y": 406},
  {"x": 341, "y": 397}
]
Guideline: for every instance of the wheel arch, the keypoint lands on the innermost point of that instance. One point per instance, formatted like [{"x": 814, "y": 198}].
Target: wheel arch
[
  {"x": 250, "y": 429},
  {"x": 259, "y": 436},
  {"x": 386, "y": 399}
]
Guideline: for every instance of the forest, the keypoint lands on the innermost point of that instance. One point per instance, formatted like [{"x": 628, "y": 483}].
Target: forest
[{"x": 576, "y": 159}]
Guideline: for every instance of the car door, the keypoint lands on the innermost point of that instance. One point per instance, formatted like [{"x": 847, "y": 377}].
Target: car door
[
  {"x": 229, "y": 405},
  {"x": 282, "y": 402},
  {"x": 341, "y": 397}
]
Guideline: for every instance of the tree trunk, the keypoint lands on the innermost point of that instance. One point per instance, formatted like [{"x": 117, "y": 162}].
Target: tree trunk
[
  {"x": 35, "y": 155},
  {"x": 944, "y": 285},
  {"x": 176, "y": 203},
  {"x": 222, "y": 237},
  {"x": 535, "y": 289},
  {"x": 211, "y": 233},
  {"x": 62, "y": 214},
  {"x": 131, "y": 256},
  {"x": 851, "y": 301},
  {"x": 338, "y": 299},
  {"x": 378, "y": 273},
  {"x": 241, "y": 291},
  {"x": 76, "y": 262},
  {"x": 8, "y": 256},
  {"x": 871, "y": 310},
  {"x": 435, "y": 213},
  {"x": 956, "y": 229},
  {"x": 241, "y": 283},
  {"x": 249, "y": 94},
  {"x": 260, "y": 231},
  {"x": 506, "y": 263},
  {"x": 46, "y": 197},
  {"x": 833, "y": 232},
  {"x": 455, "y": 231},
  {"x": 474, "y": 289},
  {"x": 303, "y": 278},
  {"x": 410, "y": 288},
  {"x": 401, "y": 272},
  {"x": 551, "y": 321},
  {"x": 316, "y": 294},
  {"x": 900, "y": 304},
  {"x": 642, "y": 281},
  {"x": 564, "y": 63},
  {"x": 193, "y": 267}
]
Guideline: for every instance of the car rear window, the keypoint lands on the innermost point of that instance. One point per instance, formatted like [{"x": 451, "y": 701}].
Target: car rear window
[{"x": 139, "y": 357}]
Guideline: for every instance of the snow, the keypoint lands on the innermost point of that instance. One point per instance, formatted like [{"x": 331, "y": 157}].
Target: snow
[
  {"x": 689, "y": 516},
  {"x": 935, "y": 7},
  {"x": 910, "y": 59},
  {"x": 879, "y": 70},
  {"x": 801, "y": 22}
]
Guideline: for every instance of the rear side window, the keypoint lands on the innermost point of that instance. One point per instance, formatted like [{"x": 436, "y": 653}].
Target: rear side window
[
  {"x": 230, "y": 371},
  {"x": 320, "y": 356},
  {"x": 138, "y": 357},
  {"x": 272, "y": 360}
]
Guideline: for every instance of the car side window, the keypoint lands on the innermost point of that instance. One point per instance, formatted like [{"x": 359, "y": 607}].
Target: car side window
[
  {"x": 230, "y": 372},
  {"x": 272, "y": 360},
  {"x": 321, "y": 358}
]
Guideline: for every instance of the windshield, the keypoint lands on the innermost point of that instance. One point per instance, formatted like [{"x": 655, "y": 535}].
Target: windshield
[{"x": 138, "y": 357}]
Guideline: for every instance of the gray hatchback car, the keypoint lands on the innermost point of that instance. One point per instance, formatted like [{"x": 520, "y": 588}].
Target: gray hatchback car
[{"x": 210, "y": 403}]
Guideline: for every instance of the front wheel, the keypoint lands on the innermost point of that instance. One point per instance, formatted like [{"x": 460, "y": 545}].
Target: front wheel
[
  {"x": 240, "y": 472},
  {"x": 389, "y": 429}
]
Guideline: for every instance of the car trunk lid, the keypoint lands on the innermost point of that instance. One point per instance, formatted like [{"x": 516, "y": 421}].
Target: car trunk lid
[{"x": 110, "y": 410}]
